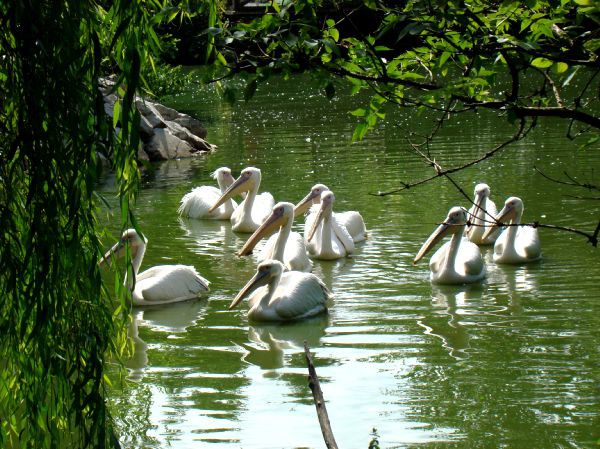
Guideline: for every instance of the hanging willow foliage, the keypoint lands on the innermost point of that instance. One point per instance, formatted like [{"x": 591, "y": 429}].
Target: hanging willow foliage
[{"x": 58, "y": 325}]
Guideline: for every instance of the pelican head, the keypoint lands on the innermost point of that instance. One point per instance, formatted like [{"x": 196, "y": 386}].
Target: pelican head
[
  {"x": 265, "y": 272},
  {"x": 223, "y": 174},
  {"x": 512, "y": 212},
  {"x": 482, "y": 192},
  {"x": 313, "y": 197},
  {"x": 280, "y": 215},
  {"x": 130, "y": 239},
  {"x": 248, "y": 180},
  {"x": 453, "y": 224},
  {"x": 325, "y": 211}
]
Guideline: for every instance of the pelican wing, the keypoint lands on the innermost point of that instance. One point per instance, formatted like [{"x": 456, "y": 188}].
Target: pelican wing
[
  {"x": 354, "y": 224},
  {"x": 300, "y": 295},
  {"x": 168, "y": 283},
  {"x": 196, "y": 204},
  {"x": 343, "y": 235},
  {"x": 469, "y": 260},
  {"x": 439, "y": 258},
  {"x": 528, "y": 242},
  {"x": 295, "y": 256},
  {"x": 262, "y": 207}
]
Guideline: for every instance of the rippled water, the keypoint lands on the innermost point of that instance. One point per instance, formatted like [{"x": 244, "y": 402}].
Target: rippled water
[{"x": 513, "y": 362}]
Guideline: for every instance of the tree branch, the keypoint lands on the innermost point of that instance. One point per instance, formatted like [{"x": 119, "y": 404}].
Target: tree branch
[
  {"x": 573, "y": 182},
  {"x": 519, "y": 134},
  {"x": 313, "y": 383}
]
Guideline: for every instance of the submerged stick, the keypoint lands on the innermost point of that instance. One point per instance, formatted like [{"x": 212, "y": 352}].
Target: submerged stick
[{"x": 313, "y": 383}]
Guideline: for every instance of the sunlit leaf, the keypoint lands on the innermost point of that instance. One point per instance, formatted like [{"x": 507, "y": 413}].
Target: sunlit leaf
[
  {"x": 560, "y": 67},
  {"x": 541, "y": 63}
]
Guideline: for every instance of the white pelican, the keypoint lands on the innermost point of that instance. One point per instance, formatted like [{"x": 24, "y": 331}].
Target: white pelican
[
  {"x": 481, "y": 216},
  {"x": 327, "y": 239},
  {"x": 255, "y": 208},
  {"x": 286, "y": 246},
  {"x": 288, "y": 296},
  {"x": 351, "y": 220},
  {"x": 162, "y": 284},
  {"x": 457, "y": 261},
  {"x": 196, "y": 203},
  {"x": 516, "y": 244}
]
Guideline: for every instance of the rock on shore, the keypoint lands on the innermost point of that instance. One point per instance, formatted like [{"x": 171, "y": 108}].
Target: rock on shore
[{"x": 165, "y": 132}]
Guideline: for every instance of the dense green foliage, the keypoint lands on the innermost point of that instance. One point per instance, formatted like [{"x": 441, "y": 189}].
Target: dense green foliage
[
  {"x": 58, "y": 324},
  {"x": 525, "y": 59}
]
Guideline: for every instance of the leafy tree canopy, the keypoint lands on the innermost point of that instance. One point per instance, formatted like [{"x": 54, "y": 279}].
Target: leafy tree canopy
[{"x": 526, "y": 59}]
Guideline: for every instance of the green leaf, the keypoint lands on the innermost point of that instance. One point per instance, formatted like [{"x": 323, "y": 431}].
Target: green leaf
[
  {"x": 541, "y": 63},
  {"x": 335, "y": 34},
  {"x": 560, "y": 67},
  {"x": 443, "y": 58},
  {"x": 360, "y": 112},
  {"x": 359, "y": 132}
]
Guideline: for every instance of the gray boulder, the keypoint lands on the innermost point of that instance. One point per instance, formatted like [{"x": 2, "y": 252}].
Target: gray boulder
[{"x": 165, "y": 132}]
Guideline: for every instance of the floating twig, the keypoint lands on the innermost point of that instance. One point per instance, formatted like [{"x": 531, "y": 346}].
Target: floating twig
[{"x": 315, "y": 387}]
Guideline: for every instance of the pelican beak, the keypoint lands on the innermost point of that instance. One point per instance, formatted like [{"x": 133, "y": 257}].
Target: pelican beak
[
  {"x": 258, "y": 280},
  {"x": 305, "y": 204},
  {"x": 435, "y": 237},
  {"x": 318, "y": 219},
  {"x": 477, "y": 204},
  {"x": 116, "y": 251},
  {"x": 273, "y": 222},
  {"x": 238, "y": 187},
  {"x": 507, "y": 213}
]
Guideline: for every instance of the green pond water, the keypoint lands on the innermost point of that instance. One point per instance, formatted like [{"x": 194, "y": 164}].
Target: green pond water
[{"x": 512, "y": 362}]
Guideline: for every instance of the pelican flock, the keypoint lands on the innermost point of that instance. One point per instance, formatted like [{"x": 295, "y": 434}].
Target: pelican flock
[
  {"x": 162, "y": 284},
  {"x": 254, "y": 209},
  {"x": 458, "y": 261},
  {"x": 196, "y": 204},
  {"x": 283, "y": 288},
  {"x": 517, "y": 244}
]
